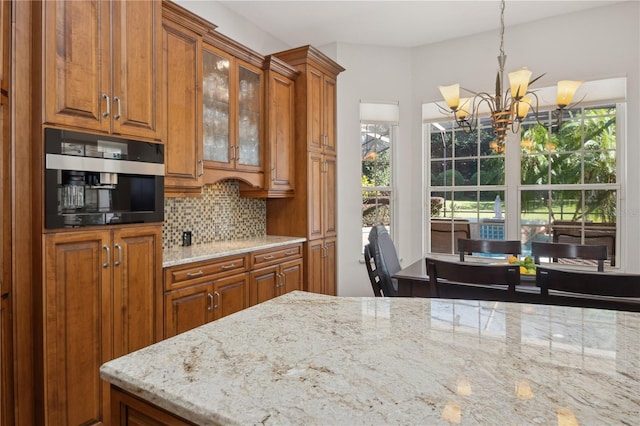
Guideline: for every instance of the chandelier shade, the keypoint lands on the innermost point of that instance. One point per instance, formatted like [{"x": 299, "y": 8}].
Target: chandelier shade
[{"x": 507, "y": 108}]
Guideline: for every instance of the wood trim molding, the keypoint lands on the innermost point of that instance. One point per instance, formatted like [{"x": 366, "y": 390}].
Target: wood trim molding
[
  {"x": 309, "y": 54},
  {"x": 234, "y": 48},
  {"x": 185, "y": 18},
  {"x": 273, "y": 63}
]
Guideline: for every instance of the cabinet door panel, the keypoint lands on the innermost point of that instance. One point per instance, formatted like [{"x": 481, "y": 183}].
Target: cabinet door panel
[
  {"x": 182, "y": 114},
  {"x": 230, "y": 295},
  {"x": 76, "y": 69},
  {"x": 263, "y": 285},
  {"x": 314, "y": 115},
  {"x": 249, "y": 144},
  {"x": 186, "y": 309},
  {"x": 329, "y": 267},
  {"x": 313, "y": 267},
  {"x": 77, "y": 335},
  {"x": 137, "y": 62},
  {"x": 315, "y": 195},
  {"x": 5, "y": 31},
  {"x": 329, "y": 195},
  {"x": 137, "y": 285},
  {"x": 5, "y": 198},
  {"x": 217, "y": 131},
  {"x": 329, "y": 115},
  {"x": 292, "y": 278},
  {"x": 281, "y": 133}
]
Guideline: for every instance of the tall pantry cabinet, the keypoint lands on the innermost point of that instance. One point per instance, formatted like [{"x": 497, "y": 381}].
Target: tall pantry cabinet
[{"x": 311, "y": 212}]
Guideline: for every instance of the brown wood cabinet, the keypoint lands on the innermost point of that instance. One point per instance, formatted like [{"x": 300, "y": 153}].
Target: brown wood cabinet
[
  {"x": 182, "y": 94},
  {"x": 280, "y": 132},
  {"x": 107, "y": 79},
  {"x": 201, "y": 292},
  {"x": 233, "y": 112},
  {"x": 311, "y": 212},
  {"x": 275, "y": 272},
  {"x": 101, "y": 300},
  {"x": 129, "y": 410},
  {"x": 6, "y": 364}
]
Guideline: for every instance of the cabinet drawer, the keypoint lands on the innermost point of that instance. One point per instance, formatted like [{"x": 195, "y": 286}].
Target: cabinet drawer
[
  {"x": 181, "y": 276},
  {"x": 277, "y": 255}
]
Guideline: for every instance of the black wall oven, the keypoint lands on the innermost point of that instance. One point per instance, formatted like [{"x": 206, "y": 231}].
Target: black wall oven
[{"x": 101, "y": 180}]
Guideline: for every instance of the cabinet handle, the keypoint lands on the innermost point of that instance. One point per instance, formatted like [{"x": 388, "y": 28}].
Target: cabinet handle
[
  {"x": 201, "y": 164},
  {"x": 106, "y": 264},
  {"x": 233, "y": 265},
  {"x": 210, "y": 297},
  {"x": 282, "y": 279},
  {"x": 117, "y": 101},
  {"x": 273, "y": 173},
  {"x": 232, "y": 156},
  {"x": 237, "y": 153},
  {"x": 194, "y": 274},
  {"x": 290, "y": 252},
  {"x": 108, "y": 111},
  {"x": 268, "y": 257},
  {"x": 215, "y": 306},
  {"x": 119, "y": 261}
]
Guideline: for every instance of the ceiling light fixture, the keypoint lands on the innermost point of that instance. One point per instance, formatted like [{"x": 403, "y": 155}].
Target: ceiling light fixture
[{"x": 507, "y": 108}]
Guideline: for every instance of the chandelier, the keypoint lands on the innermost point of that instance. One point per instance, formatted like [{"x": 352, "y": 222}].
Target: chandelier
[{"x": 507, "y": 108}]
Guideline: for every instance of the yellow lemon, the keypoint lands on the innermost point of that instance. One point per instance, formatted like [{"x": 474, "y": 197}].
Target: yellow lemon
[
  {"x": 513, "y": 259},
  {"x": 523, "y": 270}
]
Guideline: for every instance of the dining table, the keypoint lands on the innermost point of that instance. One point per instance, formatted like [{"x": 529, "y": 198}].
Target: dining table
[
  {"x": 413, "y": 281},
  {"x": 305, "y": 358}
]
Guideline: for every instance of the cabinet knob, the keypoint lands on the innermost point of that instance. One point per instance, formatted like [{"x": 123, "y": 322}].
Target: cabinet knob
[
  {"x": 194, "y": 274},
  {"x": 119, "y": 261},
  {"x": 117, "y": 101},
  {"x": 106, "y": 264},
  {"x": 210, "y": 297},
  {"x": 108, "y": 102}
]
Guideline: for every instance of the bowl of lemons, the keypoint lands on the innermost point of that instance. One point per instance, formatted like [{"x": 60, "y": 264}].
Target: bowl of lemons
[{"x": 527, "y": 267}]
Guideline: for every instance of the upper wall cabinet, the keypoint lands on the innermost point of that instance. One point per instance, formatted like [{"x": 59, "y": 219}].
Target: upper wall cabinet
[
  {"x": 102, "y": 66},
  {"x": 279, "y": 153},
  {"x": 232, "y": 139},
  {"x": 182, "y": 109}
]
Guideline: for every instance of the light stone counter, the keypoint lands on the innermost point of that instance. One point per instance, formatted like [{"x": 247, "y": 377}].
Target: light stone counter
[
  {"x": 310, "y": 359},
  {"x": 181, "y": 255}
]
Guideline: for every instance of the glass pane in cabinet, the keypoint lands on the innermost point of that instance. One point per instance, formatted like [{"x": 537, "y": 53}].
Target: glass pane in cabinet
[
  {"x": 215, "y": 88},
  {"x": 249, "y": 117}
]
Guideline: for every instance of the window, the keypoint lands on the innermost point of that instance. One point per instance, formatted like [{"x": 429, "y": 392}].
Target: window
[
  {"x": 563, "y": 186},
  {"x": 376, "y": 177},
  {"x": 466, "y": 185},
  {"x": 378, "y": 125}
]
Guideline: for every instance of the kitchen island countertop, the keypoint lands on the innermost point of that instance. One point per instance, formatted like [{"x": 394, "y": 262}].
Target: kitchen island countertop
[
  {"x": 305, "y": 358},
  {"x": 181, "y": 255}
]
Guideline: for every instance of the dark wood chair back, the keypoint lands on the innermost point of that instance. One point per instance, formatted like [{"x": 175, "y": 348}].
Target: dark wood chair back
[
  {"x": 569, "y": 251},
  {"x": 590, "y": 283},
  {"x": 468, "y": 246},
  {"x": 472, "y": 273},
  {"x": 385, "y": 257},
  {"x": 372, "y": 271}
]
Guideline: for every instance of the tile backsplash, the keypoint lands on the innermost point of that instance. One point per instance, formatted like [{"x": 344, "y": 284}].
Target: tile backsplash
[{"x": 218, "y": 214}]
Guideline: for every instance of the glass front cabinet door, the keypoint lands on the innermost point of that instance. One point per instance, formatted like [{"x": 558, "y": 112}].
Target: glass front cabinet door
[{"x": 232, "y": 113}]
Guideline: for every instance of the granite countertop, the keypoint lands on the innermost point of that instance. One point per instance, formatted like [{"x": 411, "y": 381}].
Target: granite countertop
[
  {"x": 304, "y": 358},
  {"x": 181, "y": 255}
]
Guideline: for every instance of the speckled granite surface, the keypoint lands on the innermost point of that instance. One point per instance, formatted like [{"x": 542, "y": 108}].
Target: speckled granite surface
[
  {"x": 311, "y": 359},
  {"x": 181, "y": 255}
]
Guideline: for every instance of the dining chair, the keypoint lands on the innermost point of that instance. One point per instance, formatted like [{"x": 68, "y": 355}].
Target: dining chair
[
  {"x": 385, "y": 258},
  {"x": 468, "y": 246},
  {"x": 374, "y": 277},
  {"x": 569, "y": 251},
  {"x": 587, "y": 282},
  {"x": 505, "y": 277}
]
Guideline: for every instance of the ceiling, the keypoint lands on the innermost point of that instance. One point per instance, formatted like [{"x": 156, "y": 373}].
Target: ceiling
[{"x": 393, "y": 23}]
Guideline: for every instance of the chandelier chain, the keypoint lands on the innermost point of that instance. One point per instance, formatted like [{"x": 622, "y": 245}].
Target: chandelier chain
[{"x": 502, "y": 27}]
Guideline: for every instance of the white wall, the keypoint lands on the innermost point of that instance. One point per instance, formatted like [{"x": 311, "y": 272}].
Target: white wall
[{"x": 592, "y": 44}]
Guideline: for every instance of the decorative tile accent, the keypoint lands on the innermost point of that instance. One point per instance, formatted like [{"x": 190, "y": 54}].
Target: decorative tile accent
[{"x": 219, "y": 214}]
